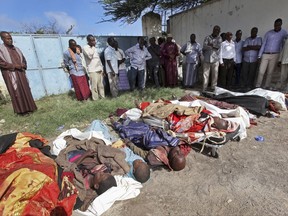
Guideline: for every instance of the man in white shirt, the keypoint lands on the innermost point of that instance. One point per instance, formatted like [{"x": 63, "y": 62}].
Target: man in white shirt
[
  {"x": 227, "y": 62},
  {"x": 138, "y": 55},
  {"x": 111, "y": 65},
  {"x": 94, "y": 68}
]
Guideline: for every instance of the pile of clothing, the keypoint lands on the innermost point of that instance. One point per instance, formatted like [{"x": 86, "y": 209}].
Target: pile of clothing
[{"x": 58, "y": 179}]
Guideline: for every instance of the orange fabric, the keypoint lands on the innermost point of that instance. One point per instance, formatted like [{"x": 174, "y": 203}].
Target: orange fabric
[{"x": 28, "y": 181}]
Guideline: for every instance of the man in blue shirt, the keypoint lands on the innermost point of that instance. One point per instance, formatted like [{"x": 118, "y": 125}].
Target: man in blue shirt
[{"x": 269, "y": 53}]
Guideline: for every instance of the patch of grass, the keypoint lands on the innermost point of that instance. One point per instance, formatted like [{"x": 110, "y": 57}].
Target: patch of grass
[{"x": 58, "y": 113}]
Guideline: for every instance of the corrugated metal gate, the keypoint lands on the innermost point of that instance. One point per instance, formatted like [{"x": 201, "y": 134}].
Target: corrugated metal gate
[{"x": 44, "y": 55}]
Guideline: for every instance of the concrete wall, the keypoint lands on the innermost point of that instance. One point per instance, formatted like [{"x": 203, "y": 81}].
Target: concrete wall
[{"x": 230, "y": 15}]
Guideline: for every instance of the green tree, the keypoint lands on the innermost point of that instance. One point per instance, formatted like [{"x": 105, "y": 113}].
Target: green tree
[
  {"x": 51, "y": 27},
  {"x": 130, "y": 11}
]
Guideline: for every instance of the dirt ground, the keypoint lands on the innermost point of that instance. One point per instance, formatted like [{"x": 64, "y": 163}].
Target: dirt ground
[{"x": 249, "y": 178}]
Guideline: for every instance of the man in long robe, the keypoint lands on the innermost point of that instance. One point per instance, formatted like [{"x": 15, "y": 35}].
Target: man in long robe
[
  {"x": 192, "y": 51},
  {"x": 169, "y": 52},
  {"x": 13, "y": 65}
]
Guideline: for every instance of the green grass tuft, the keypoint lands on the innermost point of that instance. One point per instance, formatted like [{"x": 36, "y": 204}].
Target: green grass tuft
[{"x": 58, "y": 113}]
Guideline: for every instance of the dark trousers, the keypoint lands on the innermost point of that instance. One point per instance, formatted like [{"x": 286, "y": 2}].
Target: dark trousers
[
  {"x": 153, "y": 69},
  {"x": 135, "y": 74},
  {"x": 238, "y": 67},
  {"x": 248, "y": 74},
  {"x": 226, "y": 74}
]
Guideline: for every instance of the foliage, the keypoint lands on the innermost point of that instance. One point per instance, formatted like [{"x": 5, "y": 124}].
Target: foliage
[
  {"x": 56, "y": 114},
  {"x": 51, "y": 27},
  {"x": 131, "y": 10}
]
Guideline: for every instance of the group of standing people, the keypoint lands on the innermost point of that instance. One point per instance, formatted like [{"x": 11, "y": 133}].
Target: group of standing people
[
  {"x": 158, "y": 62},
  {"x": 113, "y": 67},
  {"x": 245, "y": 64},
  {"x": 230, "y": 63},
  {"x": 88, "y": 64}
]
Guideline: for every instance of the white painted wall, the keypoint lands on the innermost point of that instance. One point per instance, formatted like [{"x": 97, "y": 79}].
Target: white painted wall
[
  {"x": 3, "y": 88},
  {"x": 230, "y": 15}
]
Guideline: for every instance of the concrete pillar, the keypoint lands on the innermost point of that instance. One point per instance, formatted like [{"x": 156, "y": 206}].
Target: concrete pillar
[{"x": 151, "y": 25}]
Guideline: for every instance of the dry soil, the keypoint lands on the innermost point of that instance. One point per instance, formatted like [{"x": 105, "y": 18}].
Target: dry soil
[{"x": 249, "y": 178}]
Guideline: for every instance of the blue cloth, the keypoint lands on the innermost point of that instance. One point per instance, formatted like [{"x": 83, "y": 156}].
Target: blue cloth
[
  {"x": 143, "y": 136},
  {"x": 138, "y": 56},
  {"x": 98, "y": 125},
  {"x": 251, "y": 55},
  {"x": 69, "y": 63},
  {"x": 272, "y": 42},
  {"x": 130, "y": 158}
]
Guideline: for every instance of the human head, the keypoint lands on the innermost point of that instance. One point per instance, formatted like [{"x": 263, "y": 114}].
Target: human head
[
  {"x": 101, "y": 182},
  {"x": 229, "y": 36},
  {"x": 111, "y": 41},
  {"x": 216, "y": 31},
  {"x": 160, "y": 40},
  {"x": 152, "y": 41},
  {"x": 238, "y": 34},
  {"x": 91, "y": 40},
  {"x": 254, "y": 32},
  {"x": 176, "y": 159},
  {"x": 169, "y": 37},
  {"x": 116, "y": 45},
  {"x": 192, "y": 38},
  {"x": 6, "y": 38},
  {"x": 78, "y": 49},
  {"x": 223, "y": 36},
  {"x": 72, "y": 45},
  {"x": 220, "y": 123},
  {"x": 141, "y": 171},
  {"x": 141, "y": 42},
  {"x": 277, "y": 25}
]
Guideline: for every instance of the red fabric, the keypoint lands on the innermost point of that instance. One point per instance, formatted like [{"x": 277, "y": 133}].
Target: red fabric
[
  {"x": 206, "y": 111},
  {"x": 80, "y": 84},
  {"x": 70, "y": 175},
  {"x": 186, "y": 123},
  {"x": 121, "y": 111},
  {"x": 175, "y": 121},
  {"x": 143, "y": 105},
  {"x": 169, "y": 52},
  {"x": 45, "y": 199}
]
